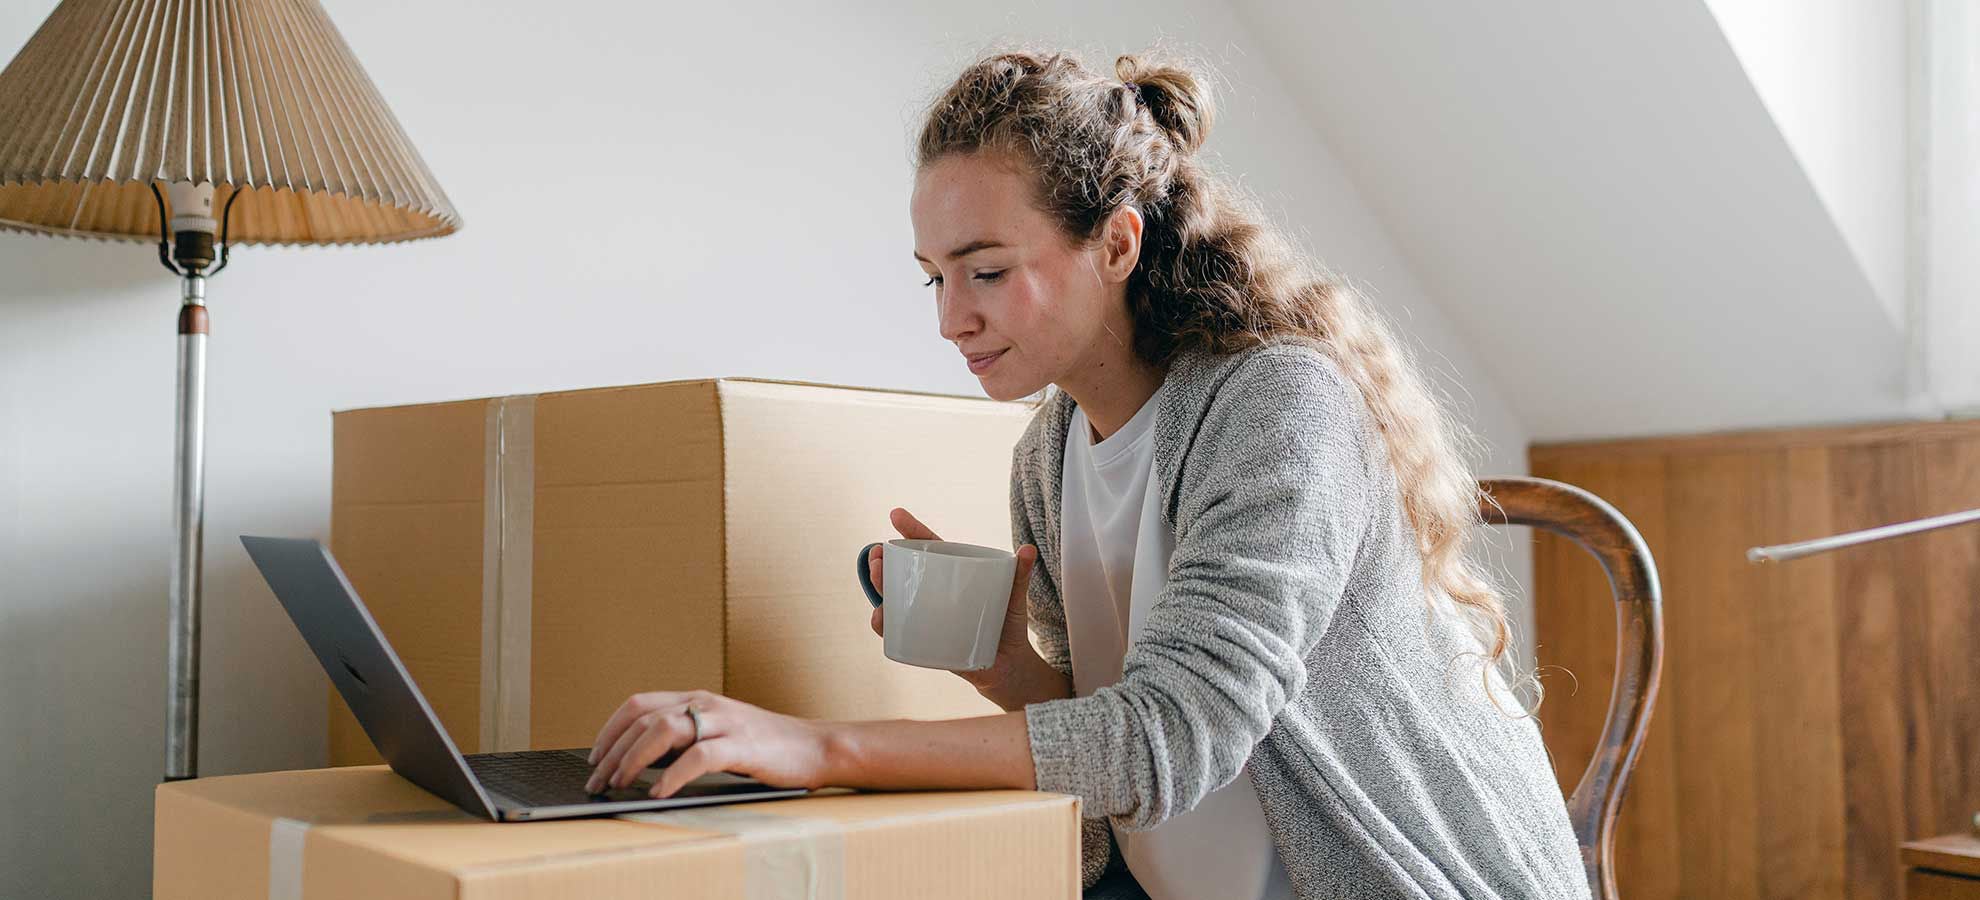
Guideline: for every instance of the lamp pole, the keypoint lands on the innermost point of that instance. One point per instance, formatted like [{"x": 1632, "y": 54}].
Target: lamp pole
[
  {"x": 188, "y": 526},
  {"x": 192, "y": 250}
]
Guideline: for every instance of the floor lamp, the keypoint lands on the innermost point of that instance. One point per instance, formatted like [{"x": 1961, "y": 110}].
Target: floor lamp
[{"x": 134, "y": 120}]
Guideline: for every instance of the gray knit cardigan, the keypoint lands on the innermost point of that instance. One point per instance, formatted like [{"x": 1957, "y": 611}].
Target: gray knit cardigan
[{"x": 1295, "y": 635}]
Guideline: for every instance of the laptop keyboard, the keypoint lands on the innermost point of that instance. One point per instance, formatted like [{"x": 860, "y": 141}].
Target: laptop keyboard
[
  {"x": 546, "y": 778},
  {"x": 538, "y": 778}
]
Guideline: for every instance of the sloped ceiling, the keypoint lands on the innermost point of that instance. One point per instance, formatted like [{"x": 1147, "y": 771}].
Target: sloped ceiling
[{"x": 1599, "y": 200}]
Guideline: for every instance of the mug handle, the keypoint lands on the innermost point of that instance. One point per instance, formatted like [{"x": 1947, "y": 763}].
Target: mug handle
[{"x": 866, "y": 575}]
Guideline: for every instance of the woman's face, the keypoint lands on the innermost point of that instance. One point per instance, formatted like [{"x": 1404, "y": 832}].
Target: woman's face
[{"x": 1025, "y": 306}]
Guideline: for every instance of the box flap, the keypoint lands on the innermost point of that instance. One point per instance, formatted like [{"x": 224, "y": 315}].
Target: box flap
[
  {"x": 628, "y": 552},
  {"x": 406, "y": 523},
  {"x": 812, "y": 474},
  {"x": 364, "y": 831}
]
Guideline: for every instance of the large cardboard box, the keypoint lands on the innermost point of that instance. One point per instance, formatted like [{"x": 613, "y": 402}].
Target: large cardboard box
[
  {"x": 535, "y": 559},
  {"x": 366, "y": 832}
]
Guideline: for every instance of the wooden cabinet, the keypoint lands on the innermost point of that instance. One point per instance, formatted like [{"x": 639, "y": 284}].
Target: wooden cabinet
[
  {"x": 1942, "y": 868},
  {"x": 1813, "y": 714}
]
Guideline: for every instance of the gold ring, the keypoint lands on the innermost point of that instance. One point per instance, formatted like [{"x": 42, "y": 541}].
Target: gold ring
[{"x": 694, "y": 715}]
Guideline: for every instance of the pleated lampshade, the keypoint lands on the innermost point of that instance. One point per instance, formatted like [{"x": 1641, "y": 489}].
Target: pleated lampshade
[{"x": 257, "y": 96}]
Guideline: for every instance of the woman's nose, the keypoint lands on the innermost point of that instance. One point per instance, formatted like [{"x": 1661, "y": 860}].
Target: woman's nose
[{"x": 956, "y": 319}]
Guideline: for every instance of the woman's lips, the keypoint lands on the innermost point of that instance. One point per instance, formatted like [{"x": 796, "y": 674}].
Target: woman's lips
[{"x": 981, "y": 364}]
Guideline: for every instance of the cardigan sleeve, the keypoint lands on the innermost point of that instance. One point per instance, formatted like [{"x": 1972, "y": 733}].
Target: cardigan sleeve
[
  {"x": 1044, "y": 603},
  {"x": 1048, "y": 615},
  {"x": 1271, "y": 508}
]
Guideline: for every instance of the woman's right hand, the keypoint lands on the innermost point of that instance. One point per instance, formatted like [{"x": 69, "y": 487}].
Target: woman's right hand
[{"x": 1014, "y": 648}]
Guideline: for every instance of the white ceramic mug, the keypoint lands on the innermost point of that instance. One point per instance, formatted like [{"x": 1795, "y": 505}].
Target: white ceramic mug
[{"x": 945, "y": 601}]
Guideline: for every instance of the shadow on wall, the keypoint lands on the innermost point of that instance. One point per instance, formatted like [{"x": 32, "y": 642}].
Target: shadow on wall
[
  {"x": 83, "y": 637},
  {"x": 81, "y": 693},
  {"x": 77, "y": 269},
  {"x": 263, "y": 694}
]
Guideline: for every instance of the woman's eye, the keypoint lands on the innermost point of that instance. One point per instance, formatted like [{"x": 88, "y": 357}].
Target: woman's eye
[
  {"x": 990, "y": 276},
  {"x": 932, "y": 280}
]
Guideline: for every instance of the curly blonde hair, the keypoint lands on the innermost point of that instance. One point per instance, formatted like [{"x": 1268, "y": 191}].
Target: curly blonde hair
[{"x": 1214, "y": 274}]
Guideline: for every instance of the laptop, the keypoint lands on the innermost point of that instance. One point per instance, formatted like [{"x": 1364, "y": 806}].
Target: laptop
[{"x": 504, "y": 787}]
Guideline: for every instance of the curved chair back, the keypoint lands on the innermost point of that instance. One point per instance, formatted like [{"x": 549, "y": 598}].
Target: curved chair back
[{"x": 1602, "y": 531}]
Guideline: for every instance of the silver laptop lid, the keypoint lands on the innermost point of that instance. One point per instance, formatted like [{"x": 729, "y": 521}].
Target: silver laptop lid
[{"x": 354, "y": 653}]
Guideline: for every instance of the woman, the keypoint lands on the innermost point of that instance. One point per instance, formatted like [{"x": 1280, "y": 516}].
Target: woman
[{"x": 1262, "y": 656}]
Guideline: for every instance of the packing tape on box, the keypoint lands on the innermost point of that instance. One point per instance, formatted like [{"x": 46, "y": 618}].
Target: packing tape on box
[
  {"x": 507, "y": 538},
  {"x": 784, "y": 857},
  {"x": 286, "y": 839},
  {"x": 285, "y": 853}
]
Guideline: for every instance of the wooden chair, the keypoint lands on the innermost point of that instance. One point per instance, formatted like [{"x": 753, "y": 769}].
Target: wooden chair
[{"x": 1589, "y": 521}]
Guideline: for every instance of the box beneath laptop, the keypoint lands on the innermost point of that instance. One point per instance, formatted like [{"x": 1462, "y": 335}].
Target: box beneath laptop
[
  {"x": 366, "y": 832},
  {"x": 535, "y": 559}
]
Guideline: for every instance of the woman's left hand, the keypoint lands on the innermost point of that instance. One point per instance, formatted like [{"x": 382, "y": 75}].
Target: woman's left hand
[{"x": 778, "y": 750}]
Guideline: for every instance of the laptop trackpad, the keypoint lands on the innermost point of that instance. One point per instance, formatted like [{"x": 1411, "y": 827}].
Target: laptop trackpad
[{"x": 709, "y": 785}]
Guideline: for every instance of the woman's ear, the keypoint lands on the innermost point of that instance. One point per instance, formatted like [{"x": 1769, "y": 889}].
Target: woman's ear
[{"x": 1120, "y": 248}]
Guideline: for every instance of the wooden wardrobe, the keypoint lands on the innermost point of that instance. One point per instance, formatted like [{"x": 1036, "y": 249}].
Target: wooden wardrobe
[{"x": 1814, "y": 714}]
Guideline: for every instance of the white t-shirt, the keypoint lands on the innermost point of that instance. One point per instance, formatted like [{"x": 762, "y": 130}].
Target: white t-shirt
[{"x": 1114, "y": 556}]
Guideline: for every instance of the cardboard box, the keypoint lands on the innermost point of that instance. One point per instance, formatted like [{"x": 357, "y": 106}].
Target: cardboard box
[
  {"x": 536, "y": 559},
  {"x": 366, "y": 832}
]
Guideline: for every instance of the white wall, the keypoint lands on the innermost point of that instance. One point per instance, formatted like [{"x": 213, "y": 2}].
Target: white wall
[
  {"x": 1603, "y": 207},
  {"x": 1880, "y": 102},
  {"x": 1832, "y": 74},
  {"x": 650, "y": 191},
  {"x": 1946, "y": 194}
]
